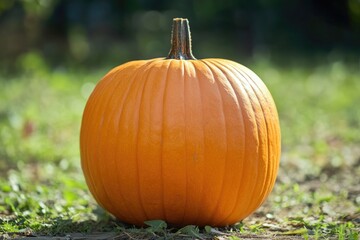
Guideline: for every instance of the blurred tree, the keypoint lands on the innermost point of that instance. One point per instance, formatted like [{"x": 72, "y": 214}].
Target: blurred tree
[{"x": 100, "y": 32}]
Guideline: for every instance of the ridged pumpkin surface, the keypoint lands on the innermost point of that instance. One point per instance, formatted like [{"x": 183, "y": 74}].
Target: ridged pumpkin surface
[{"x": 186, "y": 141}]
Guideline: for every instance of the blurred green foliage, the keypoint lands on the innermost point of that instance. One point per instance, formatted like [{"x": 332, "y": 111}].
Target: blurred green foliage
[{"x": 101, "y": 33}]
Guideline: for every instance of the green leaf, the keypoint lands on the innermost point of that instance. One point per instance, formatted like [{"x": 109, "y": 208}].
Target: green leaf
[
  {"x": 234, "y": 238},
  {"x": 191, "y": 230},
  {"x": 208, "y": 229},
  {"x": 6, "y": 188},
  {"x": 296, "y": 232},
  {"x": 156, "y": 225}
]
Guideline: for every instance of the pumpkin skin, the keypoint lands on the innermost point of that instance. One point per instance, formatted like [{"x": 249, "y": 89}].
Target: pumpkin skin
[{"x": 186, "y": 141}]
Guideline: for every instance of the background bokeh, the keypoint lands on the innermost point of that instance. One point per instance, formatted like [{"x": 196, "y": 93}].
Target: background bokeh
[{"x": 100, "y": 33}]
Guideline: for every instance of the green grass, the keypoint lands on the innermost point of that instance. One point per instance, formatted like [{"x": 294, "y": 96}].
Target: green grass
[{"x": 317, "y": 195}]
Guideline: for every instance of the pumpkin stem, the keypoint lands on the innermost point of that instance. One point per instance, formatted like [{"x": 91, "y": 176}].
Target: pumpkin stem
[{"x": 180, "y": 40}]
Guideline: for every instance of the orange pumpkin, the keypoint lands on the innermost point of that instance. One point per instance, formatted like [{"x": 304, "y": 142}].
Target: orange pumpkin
[{"x": 184, "y": 140}]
